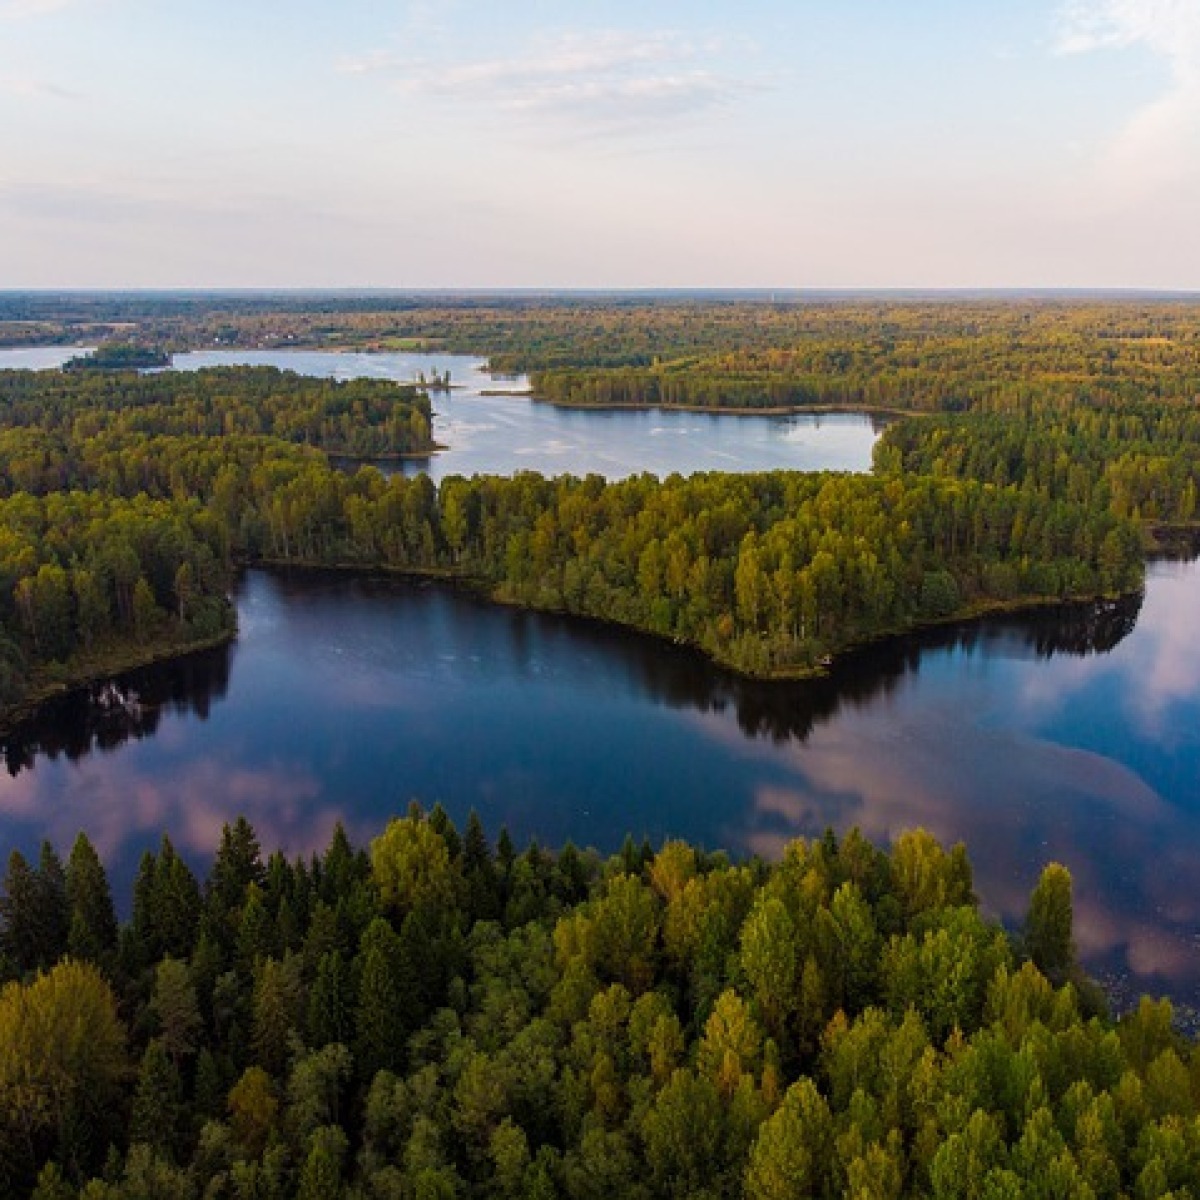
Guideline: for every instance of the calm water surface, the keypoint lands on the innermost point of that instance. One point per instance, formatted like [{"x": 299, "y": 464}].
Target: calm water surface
[
  {"x": 504, "y": 434},
  {"x": 1072, "y": 736},
  {"x": 38, "y": 358}
]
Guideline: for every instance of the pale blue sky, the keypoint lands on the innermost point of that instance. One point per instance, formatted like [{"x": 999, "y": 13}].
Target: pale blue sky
[{"x": 560, "y": 143}]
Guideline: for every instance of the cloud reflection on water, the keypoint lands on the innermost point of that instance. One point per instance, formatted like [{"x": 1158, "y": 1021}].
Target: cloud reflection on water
[{"x": 991, "y": 763}]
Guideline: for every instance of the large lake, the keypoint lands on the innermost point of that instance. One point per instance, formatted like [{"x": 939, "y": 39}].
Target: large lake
[
  {"x": 1062, "y": 736},
  {"x": 1070, "y": 735},
  {"x": 503, "y": 434}
]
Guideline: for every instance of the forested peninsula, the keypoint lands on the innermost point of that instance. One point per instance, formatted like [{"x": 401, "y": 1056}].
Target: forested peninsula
[
  {"x": 768, "y": 573},
  {"x": 1049, "y": 445},
  {"x": 439, "y": 1016}
]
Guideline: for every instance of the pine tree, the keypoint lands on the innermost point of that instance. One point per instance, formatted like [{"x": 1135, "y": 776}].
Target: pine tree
[
  {"x": 381, "y": 1016},
  {"x": 175, "y": 1005},
  {"x": 93, "y": 930},
  {"x": 52, "y": 885},
  {"x": 21, "y": 927},
  {"x": 208, "y": 1090},
  {"x": 340, "y": 868},
  {"x": 238, "y": 864},
  {"x": 506, "y": 856},
  {"x": 143, "y": 942},
  {"x": 439, "y": 820},
  {"x": 276, "y": 1001},
  {"x": 158, "y": 1101},
  {"x": 255, "y": 935},
  {"x": 479, "y": 871},
  {"x": 329, "y": 1002}
]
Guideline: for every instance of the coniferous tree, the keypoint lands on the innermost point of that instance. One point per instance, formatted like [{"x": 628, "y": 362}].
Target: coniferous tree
[
  {"x": 382, "y": 1016},
  {"x": 176, "y": 1009},
  {"x": 238, "y": 864},
  {"x": 93, "y": 928},
  {"x": 329, "y": 1003},
  {"x": 479, "y": 871},
  {"x": 176, "y": 904},
  {"x": 208, "y": 1089},
  {"x": 158, "y": 1101},
  {"x": 22, "y": 926},
  {"x": 52, "y": 884}
]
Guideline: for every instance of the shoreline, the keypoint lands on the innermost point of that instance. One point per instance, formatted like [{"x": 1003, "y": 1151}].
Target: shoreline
[
  {"x": 366, "y": 460},
  {"x": 490, "y": 593},
  {"x": 781, "y": 410},
  {"x": 30, "y": 706}
]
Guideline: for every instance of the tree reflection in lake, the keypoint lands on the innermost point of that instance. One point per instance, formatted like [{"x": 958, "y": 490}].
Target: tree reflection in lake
[
  {"x": 1070, "y": 734},
  {"x": 106, "y": 715}
]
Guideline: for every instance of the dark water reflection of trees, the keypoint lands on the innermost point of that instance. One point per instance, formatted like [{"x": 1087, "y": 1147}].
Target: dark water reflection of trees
[{"x": 105, "y": 716}]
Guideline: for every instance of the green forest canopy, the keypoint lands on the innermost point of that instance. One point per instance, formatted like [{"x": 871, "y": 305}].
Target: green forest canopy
[
  {"x": 768, "y": 573},
  {"x": 441, "y": 1016}
]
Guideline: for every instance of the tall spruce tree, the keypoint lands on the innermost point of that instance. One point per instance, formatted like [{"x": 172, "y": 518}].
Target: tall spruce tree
[{"x": 93, "y": 927}]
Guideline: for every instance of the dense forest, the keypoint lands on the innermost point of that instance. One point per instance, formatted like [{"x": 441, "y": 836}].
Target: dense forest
[
  {"x": 443, "y": 1017},
  {"x": 1139, "y": 461},
  {"x": 118, "y": 513},
  {"x": 368, "y": 418},
  {"x": 768, "y": 573},
  {"x": 1043, "y": 436}
]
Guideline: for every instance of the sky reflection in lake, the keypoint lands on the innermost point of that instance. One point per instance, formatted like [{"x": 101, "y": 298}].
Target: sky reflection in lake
[
  {"x": 1049, "y": 737},
  {"x": 502, "y": 434}
]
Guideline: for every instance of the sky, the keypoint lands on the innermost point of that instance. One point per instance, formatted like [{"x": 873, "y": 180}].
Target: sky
[{"x": 571, "y": 143}]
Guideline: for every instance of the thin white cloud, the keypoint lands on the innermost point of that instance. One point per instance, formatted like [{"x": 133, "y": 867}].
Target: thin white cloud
[
  {"x": 608, "y": 81},
  {"x": 1170, "y": 27},
  {"x": 1158, "y": 148}
]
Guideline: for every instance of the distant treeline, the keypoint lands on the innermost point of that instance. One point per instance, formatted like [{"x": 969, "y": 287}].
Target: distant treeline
[
  {"x": 358, "y": 417},
  {"x": 445, "y": 1017}
]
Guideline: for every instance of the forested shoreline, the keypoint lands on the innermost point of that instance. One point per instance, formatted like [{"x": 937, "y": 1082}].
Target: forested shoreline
[
  {"x": 1047, "y": 443},
  {"x": 441, "y": 1016},
  {"x": 446, "y": 1016},
  {"x": 118, "y": 491},
  {"x": 768, "y": 573}
]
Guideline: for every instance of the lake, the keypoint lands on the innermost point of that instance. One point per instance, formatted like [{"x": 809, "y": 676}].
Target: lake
[
  {"x": 38, "y": 358},
  {"x": 489, "y": 434},
  {"x": 1070, "y": 735}
]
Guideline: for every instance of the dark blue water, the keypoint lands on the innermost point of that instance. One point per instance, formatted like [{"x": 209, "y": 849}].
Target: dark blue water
[{"x": 1072, "y": 735}]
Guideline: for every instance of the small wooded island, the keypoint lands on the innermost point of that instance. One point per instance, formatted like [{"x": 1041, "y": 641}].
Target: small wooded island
[
  {"x": 441, "y": 1016},
  {"x": 119, "y": 356}
]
